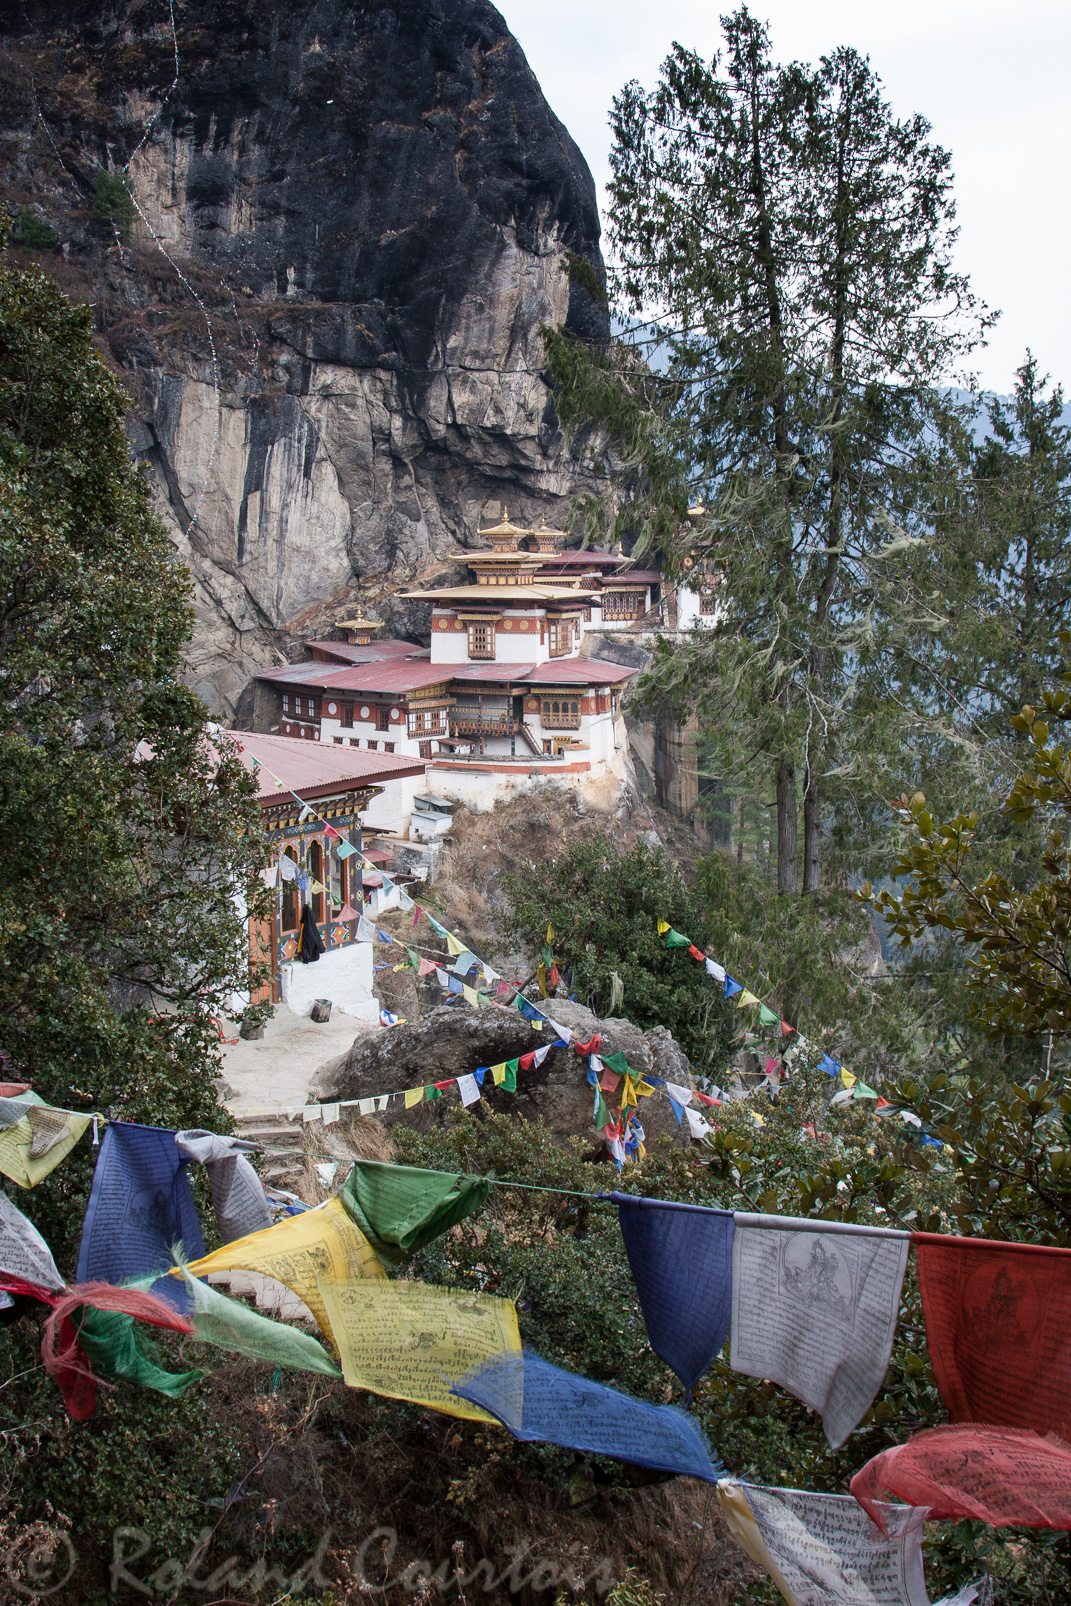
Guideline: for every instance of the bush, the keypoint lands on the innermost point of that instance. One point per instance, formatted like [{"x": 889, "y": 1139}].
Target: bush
[
  {"x": 32, "y": 231},
  {"x": 113, "y": 204}
]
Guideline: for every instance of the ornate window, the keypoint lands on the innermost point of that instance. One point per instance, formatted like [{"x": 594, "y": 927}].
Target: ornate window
[
  {"x": 622, "y": 604},
  {"x": 481, "y": 639},
  {"x": 560, "y": 713},
  {"x": 383, "y": 718},
  {"x": 708, "y": 603},
  {"x": 559, "y": 636}
]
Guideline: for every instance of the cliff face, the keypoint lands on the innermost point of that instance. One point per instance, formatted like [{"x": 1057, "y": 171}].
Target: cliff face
[{"x": 349, "y": 230}]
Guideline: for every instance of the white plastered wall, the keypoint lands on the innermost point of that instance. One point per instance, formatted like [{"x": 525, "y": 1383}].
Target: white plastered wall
[{"x": 344, "y": 975}]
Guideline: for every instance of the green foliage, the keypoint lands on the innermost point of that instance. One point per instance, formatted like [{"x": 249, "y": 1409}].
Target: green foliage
[
  {"x": 126, "y": 831},
  {"x": 113, "y": 204},
  {"x": 605, "y": 906},
  {"x": 31, "y": 230}
]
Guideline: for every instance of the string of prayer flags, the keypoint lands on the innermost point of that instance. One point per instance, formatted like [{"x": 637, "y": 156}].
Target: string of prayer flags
[
  {"x": 400, "y": 1208},
  {"x": 998, "y": 1330},
  {"x": 823, "y": 1549},
  {"x": 1001, "y": 1476},
  {"x": 681, "y": 1260},
  {"x": 24, "y": 1255},
  {"x": 35, "y": 1144},
  {"x": 140, "y": 1205},
  {"x": 323, "y": 1241},
  {"x": 542, "y": 1403},
  {"x": 237, "y": 1192},
  {"x": 814, "y": 1309},
  {"x": 412, "y": 1341}
]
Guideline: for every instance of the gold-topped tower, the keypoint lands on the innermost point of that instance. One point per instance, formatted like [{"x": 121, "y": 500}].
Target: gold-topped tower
[{"x": 505, "y": 564}]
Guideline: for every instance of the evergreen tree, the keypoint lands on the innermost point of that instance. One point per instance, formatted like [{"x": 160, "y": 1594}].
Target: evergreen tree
[
  {"x": 126, "y": 830},
  {"x": 785, "y": 245}
]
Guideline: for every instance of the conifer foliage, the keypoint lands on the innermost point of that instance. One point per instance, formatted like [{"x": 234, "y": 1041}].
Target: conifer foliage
[{"x": 126, "y": 830}]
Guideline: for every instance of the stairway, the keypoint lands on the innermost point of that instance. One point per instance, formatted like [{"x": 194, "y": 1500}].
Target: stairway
[
  {"x": 526, "y": 732},
  {"x": 282, "y": 1141}
]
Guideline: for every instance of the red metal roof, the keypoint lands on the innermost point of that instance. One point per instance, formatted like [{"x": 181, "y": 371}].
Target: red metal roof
[
  {"x": 488, "y": 670},
  {"x": 315, "y": 769},
  {"x": 594, "y": 556},
  {"x": 636, "y": 577},
  {"x": 348, "y": 652},
  {"x": 579, "y": 672},
  {"x": 394, "y": 677}
]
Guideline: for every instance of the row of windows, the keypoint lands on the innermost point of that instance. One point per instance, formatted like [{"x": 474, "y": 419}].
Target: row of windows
[
  {"x": 342, "y": 877},
  {"x": 561, "y": 634},
  {"x": 312, "y": 708},
  {"x": 623, "y": 604}
]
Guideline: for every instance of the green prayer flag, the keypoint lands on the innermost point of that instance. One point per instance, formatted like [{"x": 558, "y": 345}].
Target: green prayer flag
[
  {"x": 548, "y": 955},
  {"x": 509, "y": 1081},
  {"x": 768, "y": 1017},
  {"x": 231, "y": 1325},
  {"x": 432, "y": 1092},
  {"x": 675, "y": 940},
  {"x": 617, "y": 1062},
  {"x": 118, "y": 1350},
  {"x": 414, "y": 959},
  {"x": 861, "y": 1091},
  {"x": 400, "y": 1208},
  {"x": 602, "y": 1115}
]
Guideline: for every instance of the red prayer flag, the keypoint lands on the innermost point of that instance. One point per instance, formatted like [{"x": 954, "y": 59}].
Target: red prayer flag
[
  {"x": 592, "y": 1045},
  {"x": 417, "y": 912},
  {"x": 526, "y": 1061},
  {"x": 450, "y": 1080},
  {"x": 348, "y": 912},
  {"x": 504, "y": 990},
  {"x": 331, "y": 834},
  {"x": 8, "y": 1090},
  {"x": 771, "y": 1065},
  {"x": 426, "y": 968},
  {"x": 994, "y": 1475},
  {"x": 697, "y": 953},
  {"x": 705, "y": 1098},
  {"x": 608, "y": 1081},
  {"x": 998, "y": 1329},
  {"x": 786, "y": 1029}
]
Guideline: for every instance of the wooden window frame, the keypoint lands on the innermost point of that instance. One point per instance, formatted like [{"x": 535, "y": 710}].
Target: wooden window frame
[
  {"x": 482, "y": 631},
  {"x": 554, "y": 715}
]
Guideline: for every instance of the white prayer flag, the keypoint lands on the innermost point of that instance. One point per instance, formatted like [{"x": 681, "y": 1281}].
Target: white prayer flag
[
  {"x": 595, "y": 1063},
  {"x": 696, "y": 1124},
  {"x": 814, "y": 1309},
  {"x": 287, "y": 868},
  {"x": 366, "y": 1106},
  {"x": 469, "y": 1089},
  {"x": 541, "y": 1053},
  {"x": 331, "y": 1113},
  {"x": 823, "y": 1549},
  {"x": 382, "y": 1100},
  {"x": 23, "y": 1252},
  {"x": 563, "y": 1032},
  {"x": 715, "y": 970},
  {"x": 404, "y": 900},
  {"x": 270, "y": 876},
  {"x": 311, "y": 1112},
  {"x": 237, "y": 1191},
  {"x": 366, "y": 930},
  {"x": 681, "y": 1095}
]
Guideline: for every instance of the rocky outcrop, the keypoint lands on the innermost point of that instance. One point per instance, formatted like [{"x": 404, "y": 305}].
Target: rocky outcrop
[
  {"x": 451, "y": 1040},
  {"x": 349, "y": 230}
]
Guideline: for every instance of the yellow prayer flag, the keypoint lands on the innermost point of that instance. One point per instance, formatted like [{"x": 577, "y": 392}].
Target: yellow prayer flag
[
  {"x": 453, "y": 946},
  {"x": 471, "y": 996},
  {"x": 320, "y": 1242},
  {"x": 499, "y": 1073},
  {"x": 642, "y": 1089},
  {"x": 663, "y": 927},
  {"x": 550, "y": 933},
  {"x": 54, "y": 1133},
  {"x": 413, "y": 1095},
  {"x": 847, "y": 1079},
  {"x": 628, "y": 1093},
  {"x": 746, "y": 999},
  {"x": 411, "y": 1341}
]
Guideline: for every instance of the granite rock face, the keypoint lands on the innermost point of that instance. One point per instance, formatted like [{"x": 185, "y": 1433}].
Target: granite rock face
[
  {"x": 349, "y": 230},
  {"x": 451, "y": 1040}
]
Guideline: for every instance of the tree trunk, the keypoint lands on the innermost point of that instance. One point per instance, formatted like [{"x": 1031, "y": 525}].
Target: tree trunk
[
  {"x": 787, "y": 853},
  {"x": 811, "y": 848}
]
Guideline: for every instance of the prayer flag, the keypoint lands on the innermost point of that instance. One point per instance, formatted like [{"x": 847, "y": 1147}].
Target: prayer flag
[
  {"x": 237, "y": 1191},
  {"x": 697, "y": 1125},
  {"x": 23, "y": 1252},
  {"x": 998, "y": 1329},
  {"x": 681, "y": 1259},
  {"x": 383, "y": 936},
  {"x": 38, "y": 1141},
  {"x": 464, "y": 963},
  {"x": 366, "y": 931},
  {"x": 1000, "y": 1476},
  {"x": 541, "y": 1053},
  {"x": 431, "y": 1093},
  {"x": 732, "y": 987},
  {"x": 697, "y": 954},
  {"x": 509, "y": 1081},
  {"x": 453, "y": 946},
  {"x": 768, "y": 1017},
  {"x": 609, "y": 1081},
  {"x": 823, "y": 1549},
  {"x": 413, "y": 1096},
  {"x": 846, "y": 1078},
  {"x": 316, "y": 886},
  {"x": 140, "y": 1205},
  {"x": 675, "y": 940},
  {"x": 678, "y": 1109},
  {"x": 411, "y": 1341},
  {"x": 814, "y": 1310},
  {"x": 602, "y": 1116},
  {"x": 786, "y": 1029},
  {"x": 321, "y": 1242},
  {"x": 426, "y": 968},
  {"x": 663, "y": 926},
  {"x": 542, "y": 1403},
  {"x": 828, "y": 1064},
  {"x": 401, "y": 1208},
  {"x": 499, "y": 1073},
  {"x": 439, "y": 930},
  {"x": 616, "y": 1062},
  {"x": 365, "y": 1106},
  {"x": 715, "y": 970},
  {"x": 111, "y": 1341},
  {"x": 331, "y": 834},
  {"x": 471, "y": 996},
  {"x": 344, "y": 849},
  {"x": 331, "y": 1113},
  {"x": 682, "y": 1095},
  {"x": 348, "y": 912},
  {"x": 746, "y": 999},
  {"x": 415, "y": 960},
  {"x": 469, "y": 1089}
]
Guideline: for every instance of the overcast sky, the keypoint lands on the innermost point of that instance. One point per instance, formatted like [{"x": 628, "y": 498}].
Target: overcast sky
[{"x": 993, "y": 79}]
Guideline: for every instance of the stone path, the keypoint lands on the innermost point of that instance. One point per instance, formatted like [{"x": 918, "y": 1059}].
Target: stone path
[{"x": 275, "y": 1071}]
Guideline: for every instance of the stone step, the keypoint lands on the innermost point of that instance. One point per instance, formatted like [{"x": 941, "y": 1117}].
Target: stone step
[{"x": 273, "y": 1137}]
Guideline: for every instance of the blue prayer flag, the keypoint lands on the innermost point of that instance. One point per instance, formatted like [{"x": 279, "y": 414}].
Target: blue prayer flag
[
  {"x": 528, "y": 1010},
  {"x": 384, "y": 936},
  {"x": 678, "y": 1110},
  {"x": 830, "y": 1066},
  {"x": 732, "y": 987},
  {"x": 140, "y": 1204},
  {"x": 539, "y": 1402},
  {"x": 682, "y": 1263}
]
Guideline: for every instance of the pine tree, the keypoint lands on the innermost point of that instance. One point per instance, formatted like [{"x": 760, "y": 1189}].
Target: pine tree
[{"x": 785, "y": 248}]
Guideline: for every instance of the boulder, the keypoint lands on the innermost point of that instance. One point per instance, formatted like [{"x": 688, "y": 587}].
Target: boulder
[{"x": 453, "y": 1039}]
